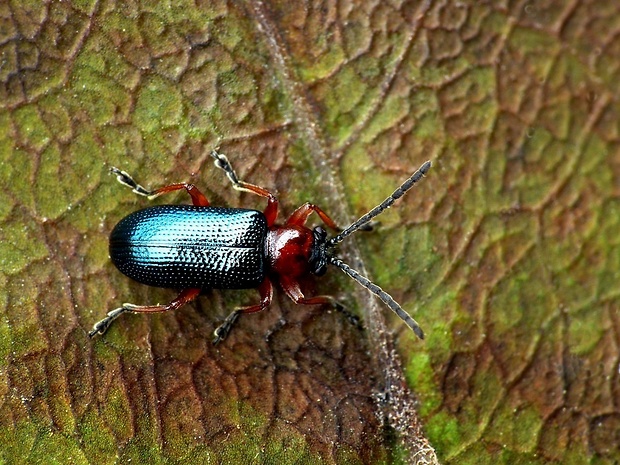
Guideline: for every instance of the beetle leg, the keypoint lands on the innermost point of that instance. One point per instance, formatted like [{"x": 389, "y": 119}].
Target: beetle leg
[
  {"x": 292, "y": 289},
  {"x": 300, "y": 216},
  {"x": 125, "y": 178},
  {"x": 266, "y": 294},
  {"x": 271, "y": 211},
  {"x": 184, "y": 297}
]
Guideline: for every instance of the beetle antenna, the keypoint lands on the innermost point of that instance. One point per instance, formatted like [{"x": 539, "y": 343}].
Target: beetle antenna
[
  {"x": 387, "y": 203},
  {"x": 386, "y": 298}
]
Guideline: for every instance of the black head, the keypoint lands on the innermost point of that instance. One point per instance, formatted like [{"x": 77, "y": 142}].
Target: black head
[{"x": 318, "y": 257}]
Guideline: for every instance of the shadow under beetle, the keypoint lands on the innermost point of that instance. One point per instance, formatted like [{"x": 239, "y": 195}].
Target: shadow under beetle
[{"x": 196, "y": 247}]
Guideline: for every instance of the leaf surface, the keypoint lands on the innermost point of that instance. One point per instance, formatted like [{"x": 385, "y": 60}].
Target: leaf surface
[{"x": 507, "y": 253}]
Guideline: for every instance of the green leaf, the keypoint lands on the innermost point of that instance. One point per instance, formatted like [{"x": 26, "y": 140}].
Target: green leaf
[{"x": 507, "y": 253}]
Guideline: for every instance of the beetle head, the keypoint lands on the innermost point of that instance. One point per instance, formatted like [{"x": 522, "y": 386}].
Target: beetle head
[{"x": 318, "y": 257}]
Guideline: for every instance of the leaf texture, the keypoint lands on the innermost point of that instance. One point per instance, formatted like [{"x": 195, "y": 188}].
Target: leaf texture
[{"x": 507, "y": 253}]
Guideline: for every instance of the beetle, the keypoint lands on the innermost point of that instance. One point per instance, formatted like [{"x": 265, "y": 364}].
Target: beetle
[{"x": 197, "y": 247}]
